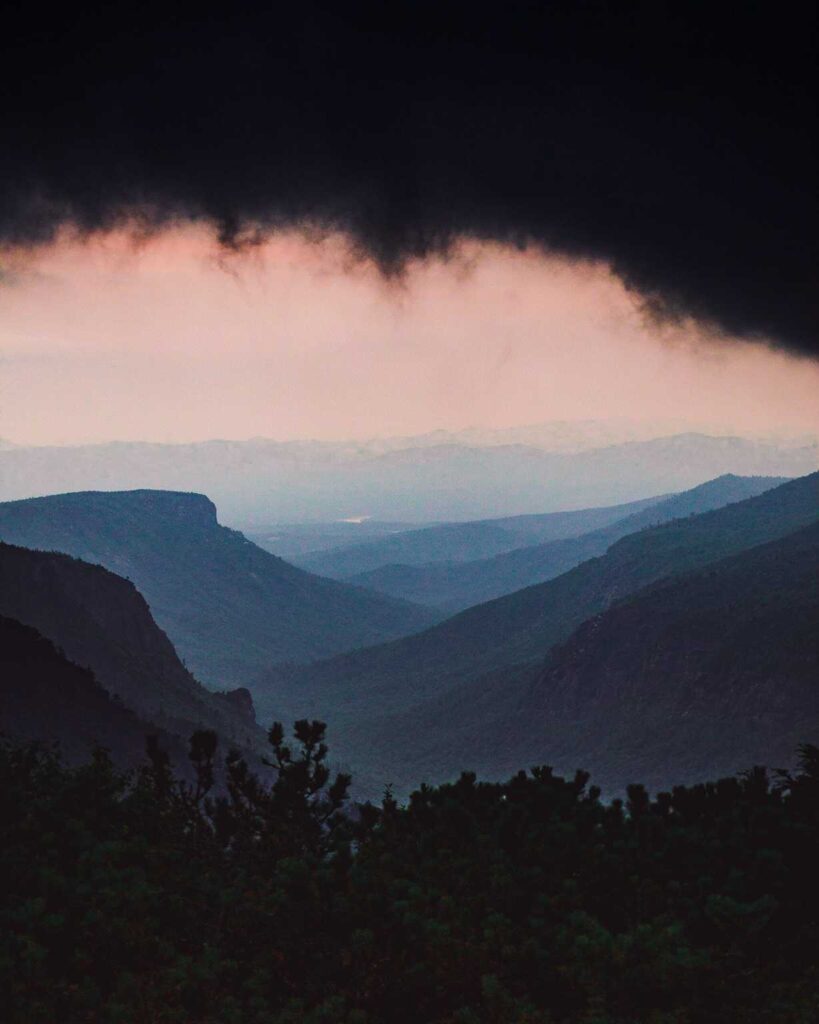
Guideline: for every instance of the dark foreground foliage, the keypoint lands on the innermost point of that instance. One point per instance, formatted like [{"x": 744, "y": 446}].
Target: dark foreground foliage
[{"x": 143, "y": 899}]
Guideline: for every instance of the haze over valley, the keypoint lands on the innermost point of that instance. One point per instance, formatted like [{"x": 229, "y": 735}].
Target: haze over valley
[
  {"x": 257, "y": 484},
  {"x": 413, "y": 622}
]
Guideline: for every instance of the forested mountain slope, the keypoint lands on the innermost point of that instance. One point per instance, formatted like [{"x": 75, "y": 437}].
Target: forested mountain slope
[
  {"x": 693, "y": 676},
  {"x": 46, "y": 698},
  {"x": 523, "y": 626},
  {"x": 100, "y": 621},
  {"x": 697, "y": 674},
  {"x": 230, "y": 608},
  {"x": 454, "y": 587}
]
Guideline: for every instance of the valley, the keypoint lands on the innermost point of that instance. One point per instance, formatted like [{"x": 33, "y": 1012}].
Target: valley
[{"x": 446, "y": 661}]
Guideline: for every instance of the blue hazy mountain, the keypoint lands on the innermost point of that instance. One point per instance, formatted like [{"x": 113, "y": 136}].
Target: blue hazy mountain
[
  {"x": 230, "y": 608},
  {"x": 522, "y": 627},
  {"x": 432, "y": 479},
  {"x": 454, "y": 586},
  {"x": 447, "y": 544}
]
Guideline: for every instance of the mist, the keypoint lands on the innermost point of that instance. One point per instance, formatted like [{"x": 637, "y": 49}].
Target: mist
[{"x": 173, "y": 341}]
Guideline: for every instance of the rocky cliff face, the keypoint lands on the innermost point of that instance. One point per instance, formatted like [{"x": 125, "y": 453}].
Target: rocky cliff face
[
  {"x": 46, "y": 698},
  {"x": 241, "y": 701}
]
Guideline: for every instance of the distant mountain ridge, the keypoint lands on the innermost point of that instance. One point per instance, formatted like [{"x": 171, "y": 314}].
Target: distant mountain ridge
[
  {"x": 230, "y": 608},
  {"x": 267, "y": 481},
  {"x": 455, "y": 587},
  {"x": 464, "y": 542}
]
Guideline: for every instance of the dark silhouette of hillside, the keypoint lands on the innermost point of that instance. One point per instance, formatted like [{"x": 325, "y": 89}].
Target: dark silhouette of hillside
[
  {"x": 523, "y": 626},
  {"x": 455, "y": 587},
  {"x": 102, "y": 622},
  {"x": 48, "y": 699},
  {"x": 230, "y": 608},
  {"x": 523, "y": 902}
]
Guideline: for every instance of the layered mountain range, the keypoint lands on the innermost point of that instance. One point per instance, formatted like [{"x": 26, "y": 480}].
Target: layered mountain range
[
  {"x": 447, "y": 543},
  {"x": 667, "y": 639},
  {"x": 454, "y": 586},
  {"x": 230, "y": 608},
  {"x": 698, "y": 674},
  {"x": 416, "y": 693}
]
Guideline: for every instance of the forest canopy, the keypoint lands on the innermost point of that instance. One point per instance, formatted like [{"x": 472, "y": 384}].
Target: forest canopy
[{"x": 138, "y": 897}]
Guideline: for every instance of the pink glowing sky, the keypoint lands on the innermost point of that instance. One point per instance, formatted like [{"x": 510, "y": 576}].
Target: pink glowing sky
[{"x": 171, "y": 341}]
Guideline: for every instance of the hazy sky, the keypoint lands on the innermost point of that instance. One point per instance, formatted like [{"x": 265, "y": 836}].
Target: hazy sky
[{"x": 170, "y": 341}]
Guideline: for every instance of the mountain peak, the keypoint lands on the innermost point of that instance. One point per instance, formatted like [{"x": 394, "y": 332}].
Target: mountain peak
[
  {"x": 188, "y": 506},
  {"x": 231, "y": 608}
]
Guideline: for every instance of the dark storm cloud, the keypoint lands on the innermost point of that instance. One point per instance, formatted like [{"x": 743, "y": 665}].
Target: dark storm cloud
[{"x": 673, "y": 140}]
